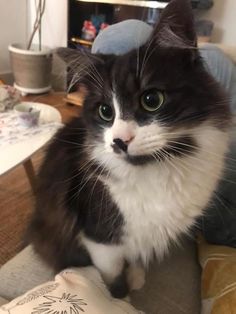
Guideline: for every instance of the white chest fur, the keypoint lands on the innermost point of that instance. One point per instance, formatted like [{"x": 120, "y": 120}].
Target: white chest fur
[{"x": 160, "y": 201}]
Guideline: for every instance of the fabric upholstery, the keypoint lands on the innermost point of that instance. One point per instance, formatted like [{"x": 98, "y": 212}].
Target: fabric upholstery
[
  {"x": 3, "y": 301},
  {"x": 22, "y": 273},
  {"x": 72, "y": 291},
  {"x": 172, "y": 287},
  {"x": 218, "y": 278}
]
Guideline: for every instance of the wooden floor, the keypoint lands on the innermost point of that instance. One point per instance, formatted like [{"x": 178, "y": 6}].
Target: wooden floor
[
  {"x": 16, "y": 203},
  {"x": 16, "y": 197}
]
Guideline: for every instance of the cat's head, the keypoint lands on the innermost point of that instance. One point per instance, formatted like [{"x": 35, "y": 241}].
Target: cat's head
[{"x": 150, "y": 103}]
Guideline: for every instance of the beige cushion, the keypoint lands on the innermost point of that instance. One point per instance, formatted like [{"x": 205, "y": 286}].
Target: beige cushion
[
  {"x": 72, "y": 291},
  {"x": 3, "y": 301},
  {"x": 172, "y": 287},
  {"x": 22, "y": 273}
]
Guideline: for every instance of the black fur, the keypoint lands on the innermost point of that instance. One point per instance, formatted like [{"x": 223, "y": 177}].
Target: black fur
[
  {"x": 62, "y": 211},
  {"x": 119, "y": 287}
]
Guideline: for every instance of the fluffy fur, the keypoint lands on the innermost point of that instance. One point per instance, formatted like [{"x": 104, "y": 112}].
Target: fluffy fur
[{"x": 116, "y": 193}]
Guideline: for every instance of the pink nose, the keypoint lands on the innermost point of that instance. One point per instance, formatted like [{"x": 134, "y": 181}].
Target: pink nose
[
  {"x": 126, "y": 139},
  {"x": 123, "y": 130},
  {"x": 118, "y": 143}
]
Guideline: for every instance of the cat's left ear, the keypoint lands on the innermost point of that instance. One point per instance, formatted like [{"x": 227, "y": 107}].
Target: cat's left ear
[
  {"x": 79, "y": 64},
  {"x": 176, "y": 27},
  {"x": 76, "y": 58}
]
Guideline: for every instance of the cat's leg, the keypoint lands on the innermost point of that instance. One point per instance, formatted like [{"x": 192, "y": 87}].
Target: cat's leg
[
  {"x": 110, "y": 261},
  {"x": 135, "y": 276}
]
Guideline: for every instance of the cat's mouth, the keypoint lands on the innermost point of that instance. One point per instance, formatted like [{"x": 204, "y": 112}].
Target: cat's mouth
[
  {"x": 120, "y": 148},
  {"x": 140, "y": 160},
  {"x": 184, "y": 146},
  {"x": 132, "y": 159}
]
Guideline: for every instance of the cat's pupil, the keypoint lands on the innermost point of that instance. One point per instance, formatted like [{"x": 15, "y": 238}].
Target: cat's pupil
[
  {"x": 152, "y": 100},
  {"x": 105, "y": 112}
]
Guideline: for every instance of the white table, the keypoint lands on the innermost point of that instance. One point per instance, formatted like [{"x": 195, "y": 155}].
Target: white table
[{"x": 20, "y": 152}]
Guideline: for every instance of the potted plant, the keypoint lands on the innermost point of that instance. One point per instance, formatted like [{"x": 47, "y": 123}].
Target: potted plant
[{"x": 32, "y": 64}]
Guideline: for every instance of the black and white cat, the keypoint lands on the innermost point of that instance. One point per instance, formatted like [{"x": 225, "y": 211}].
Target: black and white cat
[{"x": 122, "y": 181}]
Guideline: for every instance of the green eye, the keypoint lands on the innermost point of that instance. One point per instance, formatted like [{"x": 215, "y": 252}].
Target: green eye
[
  {"x": 106, "y": 112},
  {"x": 152, "y": 100}
]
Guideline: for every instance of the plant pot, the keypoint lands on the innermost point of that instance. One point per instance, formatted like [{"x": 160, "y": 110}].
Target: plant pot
[{"x": 31, "y": 68}]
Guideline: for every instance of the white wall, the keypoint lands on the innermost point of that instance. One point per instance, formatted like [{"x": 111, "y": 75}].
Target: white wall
[
  {"x": 54, "y": 34},
  {"x": 223, "y": 14},
  {"x": 13, "y": 28},
  {"x": 54, "y": 23}
]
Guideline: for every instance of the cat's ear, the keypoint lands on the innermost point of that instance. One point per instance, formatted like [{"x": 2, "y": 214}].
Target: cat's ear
[
  {"x": 67, "y": 54},
  {"x": 176, "y": 27},
  {"x": 76, "y": 58},
  {"x": 79, "y": 64}
]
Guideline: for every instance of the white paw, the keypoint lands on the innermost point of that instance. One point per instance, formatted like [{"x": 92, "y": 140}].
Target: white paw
[{"x": 136, "y": 277}]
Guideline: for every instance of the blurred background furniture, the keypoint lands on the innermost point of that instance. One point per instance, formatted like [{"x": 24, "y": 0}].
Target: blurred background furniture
[
  {"x": 100, "y": 12},
  {"x": 18, "y": 148},
  {"x": 16, "y": 195}
]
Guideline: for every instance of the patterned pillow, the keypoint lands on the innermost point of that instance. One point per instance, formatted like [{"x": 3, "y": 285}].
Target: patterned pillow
[{"x": 73, "y": 291}]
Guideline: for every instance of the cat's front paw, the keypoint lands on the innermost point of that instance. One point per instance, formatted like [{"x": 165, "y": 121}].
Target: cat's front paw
[
  {"x": 119, "y": 288},
  {"x": 135, "y": 277}
]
